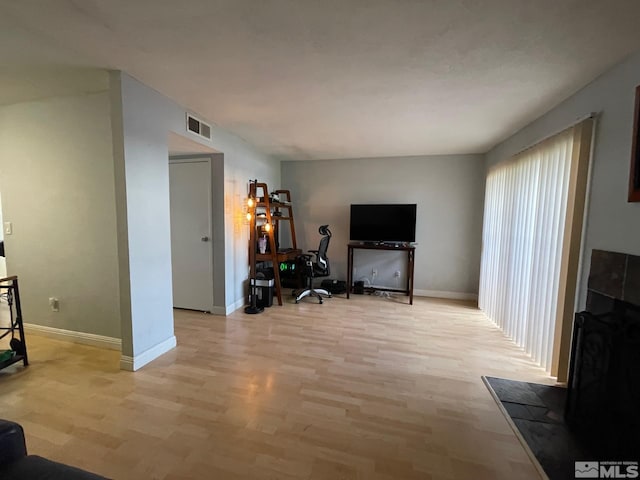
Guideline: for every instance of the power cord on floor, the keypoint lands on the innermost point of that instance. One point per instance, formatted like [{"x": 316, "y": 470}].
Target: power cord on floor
[{"x": 382, "y": 293}]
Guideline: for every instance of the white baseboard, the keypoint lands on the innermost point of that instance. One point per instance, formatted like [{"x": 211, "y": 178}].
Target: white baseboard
[
  {"x": 235, "y": 306},
  {"x": 92, "y": 339},
  {"x": 219, "y": 311},
  {"x": 443, "y": 294},
  {"x": 132, "y": 364}
]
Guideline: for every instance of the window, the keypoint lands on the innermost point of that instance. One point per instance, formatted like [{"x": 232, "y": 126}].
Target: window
[{"x": 533, "y": 213}]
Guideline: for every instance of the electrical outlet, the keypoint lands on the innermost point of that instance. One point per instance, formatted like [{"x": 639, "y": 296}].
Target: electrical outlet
[
  {"x": 397, "y": 274},
  {"x": 8, "y": 228},
  {"x": 374, "y": 272},
  {"x": 54, "y": 304}
]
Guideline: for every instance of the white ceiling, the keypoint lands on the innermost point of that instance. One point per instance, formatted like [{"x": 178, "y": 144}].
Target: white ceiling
[{"x": 309, "y": 79}]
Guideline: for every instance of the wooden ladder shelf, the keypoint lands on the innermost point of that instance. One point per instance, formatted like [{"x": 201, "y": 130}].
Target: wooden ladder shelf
[{"x": 264, "y": 212}]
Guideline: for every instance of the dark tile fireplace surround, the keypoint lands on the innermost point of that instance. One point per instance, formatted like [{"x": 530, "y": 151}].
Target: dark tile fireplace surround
[{"x": 603, "y": 397}]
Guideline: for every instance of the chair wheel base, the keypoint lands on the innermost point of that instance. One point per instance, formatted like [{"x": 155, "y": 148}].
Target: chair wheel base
[{"x": 317, "y": 293}]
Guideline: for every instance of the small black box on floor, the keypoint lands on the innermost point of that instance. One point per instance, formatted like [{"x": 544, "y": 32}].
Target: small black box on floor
[
  {"x": 358, "y": 287},
  {"x": 264, "y": 292},
  {"x": 334, "y": 287}
]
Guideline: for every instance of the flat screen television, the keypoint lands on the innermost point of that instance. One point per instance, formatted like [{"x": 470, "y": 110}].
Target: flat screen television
[{"x": 383, "y": 223}]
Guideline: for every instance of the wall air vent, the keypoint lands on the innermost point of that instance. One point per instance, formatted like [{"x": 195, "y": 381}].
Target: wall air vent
[{"x": 198, "y": 127}]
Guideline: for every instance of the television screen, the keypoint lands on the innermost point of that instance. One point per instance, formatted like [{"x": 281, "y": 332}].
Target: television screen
[{"x": 383, "y": 223}]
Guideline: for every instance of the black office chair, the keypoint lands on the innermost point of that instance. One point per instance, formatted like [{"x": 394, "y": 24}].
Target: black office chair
[{"x": 318, "y": 268}]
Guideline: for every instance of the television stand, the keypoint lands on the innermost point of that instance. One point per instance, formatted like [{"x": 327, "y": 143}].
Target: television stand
[{"x": 405, "y": 247}]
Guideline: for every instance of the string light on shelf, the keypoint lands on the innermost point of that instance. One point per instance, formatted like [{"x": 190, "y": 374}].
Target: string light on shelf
[
  {"x": 252, "y": 218},
  {"x": 251, "y": 202}
]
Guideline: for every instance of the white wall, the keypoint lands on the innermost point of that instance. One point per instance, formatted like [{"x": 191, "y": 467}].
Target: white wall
[
  {"x": 241, "y": 164},
  {"x": 449, "y": 193},
  {"x": 612, "y": 223},
  {"x": 142, "y": 121},
  {"x": 143, "y": 211},
  {"x": 57, "y": 184}
]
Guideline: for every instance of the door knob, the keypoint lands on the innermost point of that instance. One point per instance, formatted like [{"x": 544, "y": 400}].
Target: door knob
[{"x": 205, "y": 239}]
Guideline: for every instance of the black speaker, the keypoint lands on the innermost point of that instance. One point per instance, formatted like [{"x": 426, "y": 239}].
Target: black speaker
[{"x": 335, "y": 287}]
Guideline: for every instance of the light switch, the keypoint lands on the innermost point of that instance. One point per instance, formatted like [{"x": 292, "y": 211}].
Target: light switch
[
  {"x": 54, "y": 304},
  {"x": 8, "y": 228}
]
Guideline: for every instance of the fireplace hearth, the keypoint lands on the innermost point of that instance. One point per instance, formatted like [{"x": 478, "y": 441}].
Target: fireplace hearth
[{"x": 603, "y": 398}]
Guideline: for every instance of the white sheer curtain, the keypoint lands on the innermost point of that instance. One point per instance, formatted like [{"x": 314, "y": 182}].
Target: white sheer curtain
[{"x": 525, "y": 213}]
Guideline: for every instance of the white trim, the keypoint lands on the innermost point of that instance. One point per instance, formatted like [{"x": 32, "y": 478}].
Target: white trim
[
  {"x": 132, "y": 364},
  {"x": 443, "y": 294},
  {"x": 193, "y": 158},
  {"x": 585, "y": 220},
  {"x": 84, "y": 338},
  {"x": 218, "y": 311},
  {"x": 235, "y": 306}
]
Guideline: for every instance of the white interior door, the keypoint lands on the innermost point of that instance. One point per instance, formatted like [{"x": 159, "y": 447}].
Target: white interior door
[{"x": 191, "y": 245}]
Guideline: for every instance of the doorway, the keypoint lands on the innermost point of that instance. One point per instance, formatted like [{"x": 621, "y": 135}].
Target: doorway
[
  {"x": 196, "y": 203},
  {"x": 191, "y": 233}
]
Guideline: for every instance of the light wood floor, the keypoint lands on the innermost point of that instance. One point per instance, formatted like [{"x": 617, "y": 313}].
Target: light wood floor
[{"x": 366, "y": 388}]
